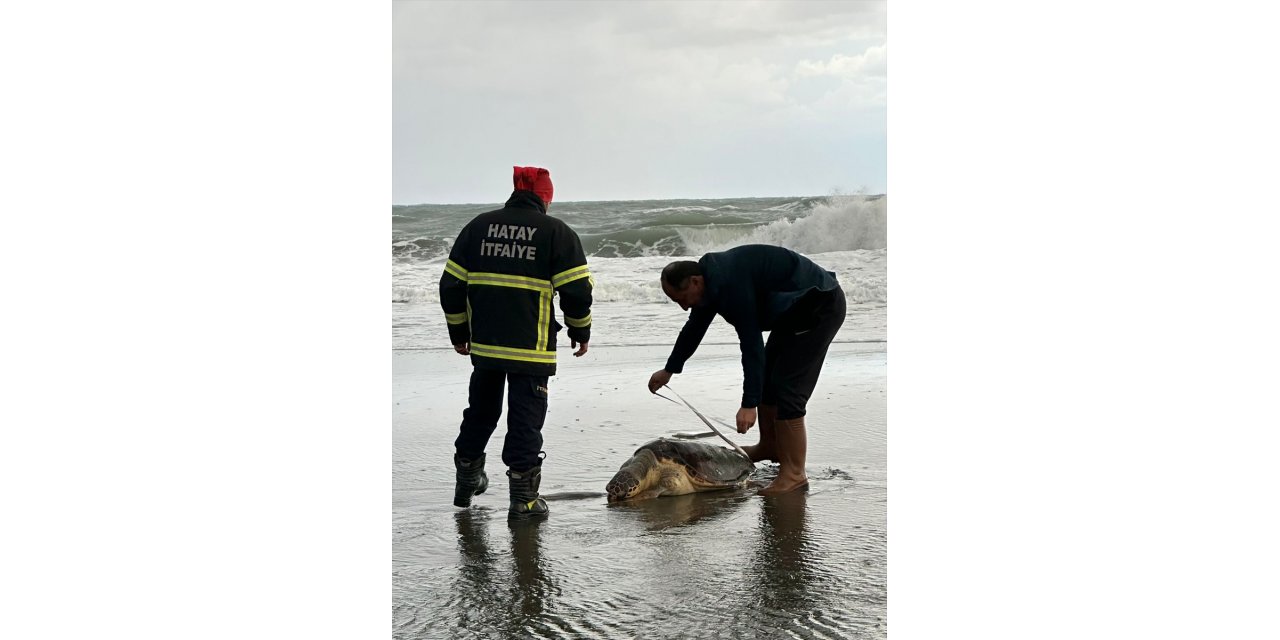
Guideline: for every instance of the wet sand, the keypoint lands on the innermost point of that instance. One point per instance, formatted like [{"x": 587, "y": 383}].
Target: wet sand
[{"x": 724, "y": 564}]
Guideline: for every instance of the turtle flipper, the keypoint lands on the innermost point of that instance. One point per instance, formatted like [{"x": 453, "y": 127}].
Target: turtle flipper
[{"x": 648, "y": 494}]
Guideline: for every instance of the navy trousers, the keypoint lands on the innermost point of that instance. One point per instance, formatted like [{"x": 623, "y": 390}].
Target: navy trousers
[{"x": 526, "y": 411}]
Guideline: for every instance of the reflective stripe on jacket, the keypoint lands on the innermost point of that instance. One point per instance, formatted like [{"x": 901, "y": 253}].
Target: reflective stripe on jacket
[{"x": 504, "y": 271}]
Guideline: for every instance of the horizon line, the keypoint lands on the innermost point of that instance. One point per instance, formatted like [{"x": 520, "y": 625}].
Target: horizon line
[{"x": 866, "y": 195}]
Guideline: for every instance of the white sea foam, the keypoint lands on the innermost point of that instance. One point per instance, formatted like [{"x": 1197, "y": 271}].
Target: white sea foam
[
  {"x": 842, "y": 223},
  {"x": 845, "y": 235},
  {"x": 862, "y": 275}
]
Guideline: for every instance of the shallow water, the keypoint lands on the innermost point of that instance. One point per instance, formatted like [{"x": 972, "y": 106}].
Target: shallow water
[{"x": 725, "y": 564}]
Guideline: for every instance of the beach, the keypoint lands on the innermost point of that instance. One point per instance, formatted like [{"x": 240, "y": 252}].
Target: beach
[
  {"x": 724, "y": 564},
  {"x": 719, "y": 564}
]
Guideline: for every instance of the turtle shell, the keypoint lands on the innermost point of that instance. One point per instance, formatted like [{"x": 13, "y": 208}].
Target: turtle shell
[{"x": 706, "y": 463}]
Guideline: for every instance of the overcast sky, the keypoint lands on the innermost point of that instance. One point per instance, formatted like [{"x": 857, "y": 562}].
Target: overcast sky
[{"x": 638, "y": 100}]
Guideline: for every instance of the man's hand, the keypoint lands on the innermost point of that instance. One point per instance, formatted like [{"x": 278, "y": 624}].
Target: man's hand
[
  {"x": 658, "y": 380},
  {"x": 463, "y": 349},
  {"x": 746, "y": 419},
  {"x": 581, "y": 350}
]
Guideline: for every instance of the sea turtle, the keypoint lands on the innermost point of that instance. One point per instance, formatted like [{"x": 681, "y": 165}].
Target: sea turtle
[{"x": 675, "y": 467}]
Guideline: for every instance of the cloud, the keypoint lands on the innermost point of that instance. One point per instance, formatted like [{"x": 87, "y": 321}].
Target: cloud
[
  {"x": 860, "y": 81},
  {"x": 870, "y": 63},
  {"x": 685, "y": 94}
]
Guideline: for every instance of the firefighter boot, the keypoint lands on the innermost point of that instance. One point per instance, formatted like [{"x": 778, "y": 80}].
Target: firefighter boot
[
  {"x": 525, "y": 502},
  {"x": 471, "y": 480}
]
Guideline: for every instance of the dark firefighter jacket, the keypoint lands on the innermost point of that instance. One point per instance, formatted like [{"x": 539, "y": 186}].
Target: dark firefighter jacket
[{"x": 498, "y": 284}]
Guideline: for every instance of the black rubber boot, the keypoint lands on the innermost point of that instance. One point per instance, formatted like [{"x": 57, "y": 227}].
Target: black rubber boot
[
  {"x": 471, "y": 480},
  {"x": 525, "y": 502}
]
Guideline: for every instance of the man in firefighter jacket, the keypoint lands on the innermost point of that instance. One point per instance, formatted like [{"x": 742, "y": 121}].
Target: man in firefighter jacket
[{"x": 505, "y": 269}]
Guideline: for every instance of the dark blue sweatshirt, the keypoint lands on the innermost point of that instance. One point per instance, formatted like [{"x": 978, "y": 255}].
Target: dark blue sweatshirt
[{"x": 751, "y": 286}]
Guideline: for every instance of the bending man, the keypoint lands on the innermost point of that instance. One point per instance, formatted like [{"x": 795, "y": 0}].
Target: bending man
[{"x": 759, "y": 288}]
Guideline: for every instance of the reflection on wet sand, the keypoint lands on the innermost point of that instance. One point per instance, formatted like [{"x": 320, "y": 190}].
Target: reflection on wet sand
[
  {"x": 533, "y": 586},
  {"x": 679, "y": 511},
  {"x": 476, "y": 570},
  {"x": 783, "y": 562},
  {"x": 493, "y": 603}
]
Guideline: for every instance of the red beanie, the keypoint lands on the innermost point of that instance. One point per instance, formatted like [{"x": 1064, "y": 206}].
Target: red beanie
[{"x": 535, "y": 179}]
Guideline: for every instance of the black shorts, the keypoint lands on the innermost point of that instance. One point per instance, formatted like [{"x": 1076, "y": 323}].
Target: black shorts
[{"x": 797, "y": 347}]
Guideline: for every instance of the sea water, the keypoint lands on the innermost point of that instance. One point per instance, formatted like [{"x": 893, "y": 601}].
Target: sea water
[{"x": 628, "y": 243}]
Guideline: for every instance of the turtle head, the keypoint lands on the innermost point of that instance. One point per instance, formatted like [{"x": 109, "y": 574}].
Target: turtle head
[{"x": 633, "y": 477}]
